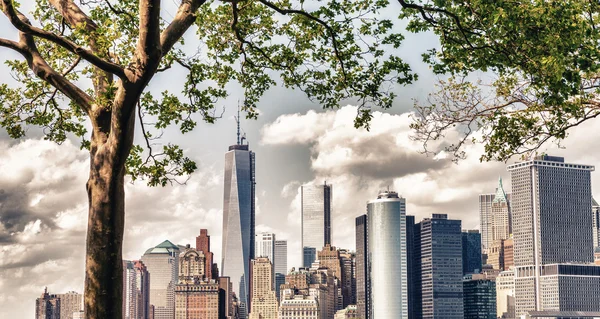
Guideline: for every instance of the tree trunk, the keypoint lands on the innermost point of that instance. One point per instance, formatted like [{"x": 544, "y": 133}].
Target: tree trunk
[{"x": 103, "y": 292}]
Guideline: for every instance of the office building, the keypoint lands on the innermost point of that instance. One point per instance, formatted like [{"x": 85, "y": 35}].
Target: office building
[
  {"x": 412, "y": 270},
  {"x": 495, "y": 216},
  {"x": 280, "y": 261},
  {"x": 596, "y": 223},
  {"x": 299, "y": 307},
  {"x": 505, "y": 295},
  {"x": 136, "y": 290},
  {"x": 316, "y": 220},
  {"x": 441, "y": 276},
  {"x": 47, "y": 306},
  {"x": 162, "y": 265},
  {"x": 501, "y": 254},
  {"x": 479, "y": 297},
  {"x": 330, "y": 258},
  {"x": 225, "y": 298},
  {"x": 263, "y": 299},
  {"x": 471, "y": 247},
  {"x": 362, "y": 298},
  {"x": 386, "y": 258},
  {"x": 265, "y": 246},
  {"x": 196, "y": 296},
  {"x": 70, "y": 303},
  {"x": 239, "y": 219},
  {"x": 203, "y": 245},
  {"x": 348, "y": 279},
  {"x": 551, "y": 206}
]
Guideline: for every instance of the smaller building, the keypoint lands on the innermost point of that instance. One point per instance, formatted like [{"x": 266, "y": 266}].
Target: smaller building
[
  {"x": 505, "y": 295},
  {"x": 471, "y": 248},
  {"x": 479, "y": 295},
  {"x": 299, "y": 307},
  {"x": 47, "y": 306},
  {"x": 346, "y": 313}
]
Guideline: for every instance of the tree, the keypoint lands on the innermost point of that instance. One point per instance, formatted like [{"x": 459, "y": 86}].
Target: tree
[
  {"x": 545, "y": 58},
  {"x": 85, "y": 66}
]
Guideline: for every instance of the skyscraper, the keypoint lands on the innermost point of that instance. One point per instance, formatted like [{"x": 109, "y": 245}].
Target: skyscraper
[
  {"x": 596, "y": 223},
  {"x": 264, "y": 301},
  {"x": 505, "y": 294},
  {"x": 316, "y": 220},
  {"x": 203, "y": 245},
  {"x": 265, "y": 246},
  {"x": 348, "y": 267},
  {"x": 552, "y": 203},
  {"x": 47, "y": 306},
  {"x": 441, "y": 275},
  {"x": 362, "y": 297},
  {"x": 494, "y": 216},
  {"x": 412, "y": 269},
  {"x": 70, "y": 303},
  {"x": 136, "y": 290},
  {"x": 386, "y": 258},
  {"x": 238, "y": 220},
  {"x": 280, "y": 260},
  {"x": 471, "y": 246},
  {"x": 162, "y": 265}
]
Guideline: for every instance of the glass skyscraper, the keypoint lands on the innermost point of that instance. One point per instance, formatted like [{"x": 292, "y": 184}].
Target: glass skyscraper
[
  {"x": 280, "y": 260},
  {"x": 162, "y": 266},
  {"x": 386, "y": 258},
  {"x": 238, "y": 221},
  {"x": 471, "y": 247},
  {"x": 316, "y": 220}
]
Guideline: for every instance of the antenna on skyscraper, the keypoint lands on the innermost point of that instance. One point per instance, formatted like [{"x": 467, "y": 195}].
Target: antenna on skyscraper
[{"x": 237, "y": 119}]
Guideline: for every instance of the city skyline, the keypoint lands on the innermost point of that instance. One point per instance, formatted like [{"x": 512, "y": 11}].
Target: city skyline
[{"x": 337, "y": 223}]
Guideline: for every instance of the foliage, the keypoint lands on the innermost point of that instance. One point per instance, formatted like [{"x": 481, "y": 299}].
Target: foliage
[{"x": 544, "y": 55}]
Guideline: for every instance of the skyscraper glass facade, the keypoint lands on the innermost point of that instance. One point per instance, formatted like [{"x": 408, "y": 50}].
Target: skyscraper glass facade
[
  {"x": 316, "y": 220},
  {"x": 162, "y": 266},
  {"x": 238, "y": 220},
  {"x": 471, "y": 246}
]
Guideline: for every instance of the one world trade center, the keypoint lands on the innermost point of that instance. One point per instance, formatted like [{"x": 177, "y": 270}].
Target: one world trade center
[{"x": 238, "y": 220}]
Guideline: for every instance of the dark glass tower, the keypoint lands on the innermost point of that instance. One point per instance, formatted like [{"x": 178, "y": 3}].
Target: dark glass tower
[
  {"x": 471, "y": 252},
  {"x": 316, "y": 220},
  {"x": 238, "y": 221},
  {"x": 362, "y": 297},
  {"x": 479, "y": 298}
]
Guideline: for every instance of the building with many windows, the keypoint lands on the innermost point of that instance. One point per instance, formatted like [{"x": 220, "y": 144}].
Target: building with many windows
[
  {"x": 479, "y": 297},
  {"x": 362, "y": 298},
  {"x": 47, "y": 306},
  {"x": 505, "y": 295},
  {"x": 441, "y": 279},
  {"x": 299, "y": 307},
  {"x": 471, "y": 256},
  {"x": 495, "y": 217},
  {"x": 316, "y": 220},
  {"x": 263, "y": 301},
  {"x": 136, "y": 290},
  {"x": 280, "y": 264},
  {"x": 162, "y": 265}
]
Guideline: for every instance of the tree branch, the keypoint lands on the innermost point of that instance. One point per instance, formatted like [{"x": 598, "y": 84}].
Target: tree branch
[
  {"x": 22, "y": 24},
  {"x": 148, "y": 47},
  {"x": 185, "y": 17}
]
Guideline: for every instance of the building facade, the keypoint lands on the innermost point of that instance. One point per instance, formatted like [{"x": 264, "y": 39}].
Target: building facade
[
  {"x": 136, "y": 290},
  {"x": 47, "y": 306},
  {"x": 265, "y": 246},
  {"x": 471, "y": 256},
  {"x": 551, "y": 206},
  {"x": 203, "y": 245},
  {"x": 505, "y": 295},
  {"x": 441, "y": 278},
  {"x": 362, "y": 298},
  {"x": 263, "y": 297},
  {"x": 238, "y": 220},
  {"x": 347, "y": 313},
  {"x": 348, "y": 267},
  {"x": 280, "y": 261},
  {"x": 162, "y": 265},
  {"x": 316, "y": 220},
  {"x": 196, "y": 297},
  {"x": 299, "y": 307},
  {"x": 479, "y": 297},
  {"x": 495, "y": 217},
  {"x": 596, "y": 223},
  {"x": 386, "y": 258}
]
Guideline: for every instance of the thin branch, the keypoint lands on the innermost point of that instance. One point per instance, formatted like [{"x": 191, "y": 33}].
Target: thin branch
[{"x": 185, "y": 17}]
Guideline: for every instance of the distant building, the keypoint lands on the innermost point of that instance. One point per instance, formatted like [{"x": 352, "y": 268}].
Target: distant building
[
  {"x": 501, "y": 255},
  {"x": 265, "y": 246},
  {"x": 196, "y": 297},
  {"x": 552, "y": 203},
  {"x": 347, "y": 313},
  {"x": 316, "y": 220},
  {"x": 386, "y": 258},
  {"x": 505, "y": 295},
  {"x": 70, "y": 303},
  {"x": 203, "y": 245},
  {"x": 316, "y": 282},
  {"x": 362, "y": 297},
  {"x": 471, "y": 248},
  {"x": 225, "y": 299},
  {"x": 239, "y": 220},
  {"x": 136, "y": 290},
  {"x": 263, "y": 301},
  {"x": 299, "y": 307},
  {"x": 413, "y": 268},
  {"x": 479, "y": 296},
  {"x": 348, "y": 285},
  {"x": 47, "y": 306},
  {"x": 596, "y": 223},
  {"x": 495, "y": 217},
  {"x": 441, "y": 278},
  {"x": 280, "y": 264},
  {"x": 162, "y": 264}
]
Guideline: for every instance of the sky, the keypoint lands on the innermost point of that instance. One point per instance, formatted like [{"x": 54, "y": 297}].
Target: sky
[{"x": 43, "y": 203}]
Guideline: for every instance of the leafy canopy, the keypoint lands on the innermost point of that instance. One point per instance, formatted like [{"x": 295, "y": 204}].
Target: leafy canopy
[{"x": 331, "y": 50}]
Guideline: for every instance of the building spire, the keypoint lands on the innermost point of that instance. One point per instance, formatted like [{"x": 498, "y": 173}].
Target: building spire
[
  {"x": 238, "y": 124},
  {"x": 500, "y": 193}
]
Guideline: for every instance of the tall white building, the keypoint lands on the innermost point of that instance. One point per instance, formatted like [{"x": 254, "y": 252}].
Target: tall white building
[
  {"x": 136, "y": 285},
  {"x": 162, "y": 265},
  {"x": 316, "y": 220},
  {"x": 505, "y": 294},
  {"x": 551, "y": 207},
  {"x": 70, "y": 303},
  {"x": 386, "y": 260},
  {"x": 264, "y": 245},
  {"x": 494, "y": 217},
  {"x": 280, "y": 261}
]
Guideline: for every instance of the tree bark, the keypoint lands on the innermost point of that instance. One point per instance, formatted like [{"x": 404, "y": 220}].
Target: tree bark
[{"x": 106, "y": 195}]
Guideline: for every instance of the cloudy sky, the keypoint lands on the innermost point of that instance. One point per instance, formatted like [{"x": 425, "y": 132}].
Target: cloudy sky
[{"x": 43, "y": 212}]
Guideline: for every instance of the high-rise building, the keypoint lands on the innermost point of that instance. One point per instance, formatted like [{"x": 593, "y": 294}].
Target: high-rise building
[
  {"x": 263, "y": 299},
  {"x": 505, "y": 295},
  {"x": 196, "y": 296},
  {"x": 238, "y": 220},
  {"x": 500, "y": 254},
  {"x": 162, "y": 266},
  {"x": 551, "y": 206},
  {"x": 70, "y": 303},
  {"x": 596, "y": 223},
  {"x": 280, "y": 261},
  {"x": 494, "y": 216},
  {"x": 265, "y": 245},
  {"x": 225, "y": 298},
  {"x": 136, "y": 290},
  {"x": 479, "y": 297},
  {"x": 316, "y": 220},
  {"x": 348, "y": 266},
  {"x": 47, "y": 306},
  {"x": 412, "y": 270},
  {"x": 440, "y": 255},
  {"x": 203, "y": 245},
  {"x": 471, "y": 247},
  {"x": 386, "y": 258},
  {"x": 362, "y": 298}
]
